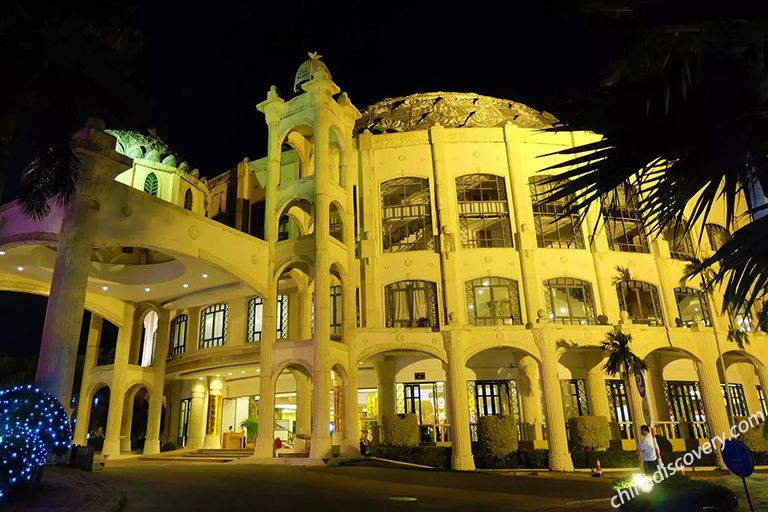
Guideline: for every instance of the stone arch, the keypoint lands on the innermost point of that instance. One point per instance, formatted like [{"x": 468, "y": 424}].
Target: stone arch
[
  {"x": 337, "y": 220},
  {"x": 95, "y": 423},
  {"x": 134, "y": 426},
  {"x": 301, "y": 365},
  {"x": 142, "y": 341},
  {"x": 299, "y": 138},
  {"x": 295, "y": 218},
  {"x": 434, "y": 351}
]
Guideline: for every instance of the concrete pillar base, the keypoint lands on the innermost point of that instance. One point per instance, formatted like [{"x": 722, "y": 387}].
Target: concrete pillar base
[
  {"x": 321, "y": 448},
  {"x": 349, "y": 449},
  {"x": 462, "y": 463},
  {"x": 212, "y": 443},
  {"x": 125, "y": 444},
  {"x": 151, "y": 447},
  {"x": 111, "y": 448}
]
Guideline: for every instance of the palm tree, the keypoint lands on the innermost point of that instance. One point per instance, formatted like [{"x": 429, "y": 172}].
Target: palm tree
[
  {"x": 682, "y": 116},
  {"x": 622, "y": 361}
]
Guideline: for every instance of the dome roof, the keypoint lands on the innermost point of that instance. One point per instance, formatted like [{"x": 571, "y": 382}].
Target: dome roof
[
  {"x": 138, "y": 145},
  {"x": 308, "y": 70},
  {"x": 450, "y": 109}
]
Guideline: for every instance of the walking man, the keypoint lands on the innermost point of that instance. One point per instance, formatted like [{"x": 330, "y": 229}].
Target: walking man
[{"x": 648, "y": 449}]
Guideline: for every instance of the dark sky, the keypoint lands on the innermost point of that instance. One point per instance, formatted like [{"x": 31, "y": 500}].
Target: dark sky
[{"x": 202, "y": 67}]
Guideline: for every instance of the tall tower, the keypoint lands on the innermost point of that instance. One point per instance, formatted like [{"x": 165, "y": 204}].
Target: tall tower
[{"x": 319, "y": 128}]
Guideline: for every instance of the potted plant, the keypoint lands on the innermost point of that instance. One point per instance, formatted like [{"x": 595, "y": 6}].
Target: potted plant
[{"x": 251, "y": 426}]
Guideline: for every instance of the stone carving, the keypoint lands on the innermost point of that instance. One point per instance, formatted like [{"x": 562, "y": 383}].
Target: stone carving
[
  {"x": 452, "y": 110},
  {"x": 137, "y": 145},
  {"x": 308, "y": 70}
]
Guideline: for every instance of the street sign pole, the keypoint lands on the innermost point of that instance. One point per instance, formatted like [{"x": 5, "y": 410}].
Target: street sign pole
[{"x": 739, "y": 460}]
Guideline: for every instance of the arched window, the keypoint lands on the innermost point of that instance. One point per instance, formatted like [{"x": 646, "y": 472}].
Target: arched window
[
  {"x": 336, "y": 228},
  {"x": 680, "y": 244},
  {"x": 623, "y": 225},
  {"x": 406, "y": 215},
  {"x": 741, "y": 320},
  {"x": 213, "y": 326},
  {"x": 641, "y": 301},
  {"x": 256, "y": 315},
  {"x": 411, "y": 304},
  {"x": 335, "y": 311},
  {"x": 483, "y": 211},
  {"x": 148, "y": 339},
  {"x": 691, "y": 302},
  {"x": 569, "y": 301},
  {"x": 717, "y": 235},
  {"x": 178, "y": 341},
  {"x": 151, "y": 184},
  {"x": 553, "y": 229},
  {"x": 493, "y": 301},
  {"x": 188, "y": 199}
]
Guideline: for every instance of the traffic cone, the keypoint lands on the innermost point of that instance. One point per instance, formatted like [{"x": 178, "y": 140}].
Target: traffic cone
[{"x": 599, "y": 471}]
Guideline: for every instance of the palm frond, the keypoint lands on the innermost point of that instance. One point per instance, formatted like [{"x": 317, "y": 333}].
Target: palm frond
[
  {"x": 51, "y": 176},
  {"x": 621, "y": 359},
  {"x": 740, "y": 338},
  {"x": 623, "y": 275}
]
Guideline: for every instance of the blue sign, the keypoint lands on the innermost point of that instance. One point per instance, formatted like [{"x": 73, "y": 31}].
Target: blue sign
[
  {"x": 640, "y": 383},
  {"x": 738, "y": 458}
]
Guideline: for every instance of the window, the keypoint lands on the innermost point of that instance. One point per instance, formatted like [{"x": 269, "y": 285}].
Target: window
[
  {"x": 427, "y": 401},
  {"x": 692, "y": 302},
  {"x": 282, "y": 317},
  {"x": 178, "y": 335},
  {"x": 256, "y": 315},
  {"x": 738, "y": 400},
  {"x": 685, "y": 405},
  {"x": 493, "y": 301},
  {"x": 761, "y": 397},
  {"x": 641, "y": 301},
  {"x": 284, "y": 228},
  {"x": 619, "y": 404},
  {"x": 552, "y": 228},
  {"x": 483, "y": 211},
  {"x": 181, "y": 437},
  {"x": 741, "y": 320},
  {"x": 336, "y": 229},
  {"x": 491, "y": 397},
  {"x": 213, "y": 326},
  {"x": 569, "y": 301},
  {"x": 335, "y": 310},
  {"x": 188, "y": 199},
  {"x": 679, "y": 240},
  {"x": 717, "y": 235},
  {"x": 574, "y": 398},
  {"x": 623, "y": 225},
  {"x": 148, "y": 339},
  {"x": 151, "y": 184},
  {"x": 406, "y": 215},
  {"x": 411, "y": 304}
]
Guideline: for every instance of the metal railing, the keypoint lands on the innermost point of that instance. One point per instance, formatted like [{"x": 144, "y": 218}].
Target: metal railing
[{"x": 682, "y": 429}]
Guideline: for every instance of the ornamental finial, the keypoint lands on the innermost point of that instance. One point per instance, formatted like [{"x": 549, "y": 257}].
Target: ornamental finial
[{"x": 314, "y": 56}]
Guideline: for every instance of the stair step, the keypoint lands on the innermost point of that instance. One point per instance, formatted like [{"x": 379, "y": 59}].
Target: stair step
[{"x": 293, "y": 455}]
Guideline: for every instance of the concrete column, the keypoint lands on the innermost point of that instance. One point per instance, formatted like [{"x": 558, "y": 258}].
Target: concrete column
[
  {"x": 66, "y": 301},
  {"x": 714, "y": 405},
  {"x": 238, "y": 322},
  {"x": 461, "y": 458},
  {"x": 305, "y": 313},
  {"x": 655, "y": 375},
  {"x": 636, "y": 407},
  {"x": 370, "y": 245},
  {"x": 213, "y": 417},
  {"x": 595, "y": 385},
  {"x": 559, "y": 457},
  {"x": 85, "y": 404},
  {"x": 604, "y": 272},
  {"x": 303, "y": 408},
  {"x": 126, "y": 426},
  {"x": 749, "y": 381},
  {"x": 524, "y": 223},
  {"x": 385, "y": 376},
  {"x": 196, "y": 416},
  {"x": 154, "y": 417},
  {"x": 666, "y": 283},
  {"x": 530, "y": 395},
  {"x": 350, "y": 443},
  {"x": 173, "y": 411},
  {"x": 117, "y": 388}
]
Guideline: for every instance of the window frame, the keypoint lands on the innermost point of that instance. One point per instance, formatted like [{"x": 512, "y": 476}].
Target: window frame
[
  {"x": 177, "y": 344},
  {"x": 679, "y": 240},
  {"x": 687, "y": 291},
  {"x": 416, "y": 214},
  {"x": 152, "y": 187},
  {"x": 430, "y": 288},
  {"x": 570, "y": 283},
  {"x": 713, "y": 232},
  {"x": 615, "y": 212},
  {"x": 219, "y": 309},
  {"x": 188, "y": 199},
  {"x": 497, "y": 210},
  {"x": 539, "y": 191},
  {"x": 513, "y": 291},
  {"x": 625, "y": 287}
]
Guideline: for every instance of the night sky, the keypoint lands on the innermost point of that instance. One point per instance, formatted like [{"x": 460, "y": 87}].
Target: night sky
[{"x": 202, "y": 68}]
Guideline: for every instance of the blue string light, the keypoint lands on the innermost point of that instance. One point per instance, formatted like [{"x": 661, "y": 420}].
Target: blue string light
[{"x": 33, "y": 425}]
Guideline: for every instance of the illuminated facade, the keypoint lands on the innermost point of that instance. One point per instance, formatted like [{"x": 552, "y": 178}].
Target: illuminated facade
[{"x": 395, "y": 260}]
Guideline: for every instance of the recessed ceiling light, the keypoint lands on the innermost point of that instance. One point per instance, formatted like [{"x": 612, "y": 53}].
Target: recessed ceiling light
[
  {"x": 105, "y": 288},
  {"x": 2, "y": 253},
  {"x": 258, "y": 370},
  {"x": 146, "y": 289},
  {"x": 19, "y": 268},
  {"x": 229, "y": 373},
  {"x": 205, "y": 276},
  {"x": 185, "y": 285},
  {"x": 242, "y": 371},
  {"x": 218, "y": 375},
  {"x": 201, "y": 378}
]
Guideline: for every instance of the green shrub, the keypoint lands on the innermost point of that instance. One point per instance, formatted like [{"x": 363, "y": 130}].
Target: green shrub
[
  {"x": 434, "y": 456},
  {"x": 679, "y": 493},
  {"x": 755, "y": 439},
  {"x": 400, "y": 429},
  {"x": 590, "y": 432},
  {"x": 608, "y": 459},
  {"x": 497, "y": 435},
  {"x": 251, "y": 426}
]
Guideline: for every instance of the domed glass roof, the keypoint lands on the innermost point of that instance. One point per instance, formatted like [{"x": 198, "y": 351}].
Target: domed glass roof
[
  {"x": 137, "y": 145},
  {"x": 450, "y": 109}
]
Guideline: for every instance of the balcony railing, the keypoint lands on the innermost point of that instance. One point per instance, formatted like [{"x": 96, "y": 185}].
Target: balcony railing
[{"x": 682, "y": 429}]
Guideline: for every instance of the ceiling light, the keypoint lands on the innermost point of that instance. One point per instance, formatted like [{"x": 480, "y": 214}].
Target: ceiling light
[
  {"x": 201, "y": 378},
  {"x": 2, "y": 253},
  {"x": 258, "y": 370},
  {"x": 105, "y": 288},
  {"x": 242, "y": 371},
  {"x": 146, "y": 289},
  {"x": 218, "y": 375},
  {"x": 185, "y": 285},
  {"x": 205, "y": 276},
  {"x": 19, "y": 268},
  {"x": 229, "y": 373}
]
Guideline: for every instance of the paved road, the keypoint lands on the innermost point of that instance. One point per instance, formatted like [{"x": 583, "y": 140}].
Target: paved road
[{"x": 234, "y": 487}]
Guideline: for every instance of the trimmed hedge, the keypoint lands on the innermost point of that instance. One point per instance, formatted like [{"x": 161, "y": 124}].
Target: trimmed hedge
[
  {"x": 589, "y": 432},
  {"x": 400, "y": 430},
  {"x": 435, "y": 456},
  {"x": 755, "y": 438},
  {"x": 520, "y": 459},
  {"x": 679, "y": 493},
  {"x": 497, "y": 435},
  {"x": 608, "y": 459}
]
